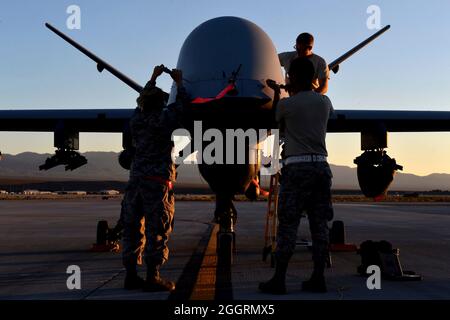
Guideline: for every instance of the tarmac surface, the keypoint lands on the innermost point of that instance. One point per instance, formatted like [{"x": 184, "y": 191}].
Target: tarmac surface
[{"x": 39, "y": 239}]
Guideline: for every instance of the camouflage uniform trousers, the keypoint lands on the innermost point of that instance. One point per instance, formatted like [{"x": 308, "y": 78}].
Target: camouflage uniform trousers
[
  {"x": 148, "y": 208},
  {"x": 306, "y": 187}
]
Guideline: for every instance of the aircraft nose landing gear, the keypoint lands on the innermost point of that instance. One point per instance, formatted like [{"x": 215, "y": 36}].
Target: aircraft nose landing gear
[
  {"x": 225, "y": 216},
  {"x": 226, "y": 241}
]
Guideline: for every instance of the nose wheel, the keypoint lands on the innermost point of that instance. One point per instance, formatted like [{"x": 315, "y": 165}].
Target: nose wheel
[
  {"x": 226, "y": 237},
  {"x": 225, "y": 248}
]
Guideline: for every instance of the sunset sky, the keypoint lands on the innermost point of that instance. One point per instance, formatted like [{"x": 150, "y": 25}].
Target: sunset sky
[{"x": 406, "y": 69}]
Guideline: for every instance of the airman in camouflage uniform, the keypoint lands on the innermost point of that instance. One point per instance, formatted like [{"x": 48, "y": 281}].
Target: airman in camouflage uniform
[
  {"x": 149, "y": 192},
  {"x": 305, "y": 176},
  {"x": 305, "y": 186}
]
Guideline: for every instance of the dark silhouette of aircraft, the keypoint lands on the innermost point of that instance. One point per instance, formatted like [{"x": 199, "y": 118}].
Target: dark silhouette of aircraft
[{"x": 220, "y": 52}]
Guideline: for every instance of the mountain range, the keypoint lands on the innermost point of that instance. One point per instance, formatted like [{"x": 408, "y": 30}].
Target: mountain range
[{"x": 103, "y": 166}]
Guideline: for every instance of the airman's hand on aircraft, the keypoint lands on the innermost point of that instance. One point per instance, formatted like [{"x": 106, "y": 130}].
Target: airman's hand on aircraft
[
  {"x": 157, "y": 71},
  {"x": 273, "y": 85},
  {"x": 177, "y": 76}
]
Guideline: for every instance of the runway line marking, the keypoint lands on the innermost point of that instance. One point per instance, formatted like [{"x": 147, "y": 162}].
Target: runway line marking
[
  {"x": 188, "y": 278},
  {"x": 205, "y": 286}
]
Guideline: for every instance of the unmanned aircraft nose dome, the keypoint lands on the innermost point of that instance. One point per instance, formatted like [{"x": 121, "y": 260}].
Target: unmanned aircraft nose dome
[{"x": 217, "y": 47}]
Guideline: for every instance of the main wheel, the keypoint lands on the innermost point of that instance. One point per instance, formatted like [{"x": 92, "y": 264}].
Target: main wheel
[{"x": 102, "y": 232}]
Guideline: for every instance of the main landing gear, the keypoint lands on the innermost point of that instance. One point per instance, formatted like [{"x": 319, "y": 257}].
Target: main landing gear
[{"x": 107, "y": 238}]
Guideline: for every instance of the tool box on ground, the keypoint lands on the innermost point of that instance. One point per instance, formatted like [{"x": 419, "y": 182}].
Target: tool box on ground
[{"x": 382, "y": 254}]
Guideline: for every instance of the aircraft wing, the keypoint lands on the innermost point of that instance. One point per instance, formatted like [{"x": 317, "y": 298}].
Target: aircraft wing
[
  {"x": 392, "y": 121},
  {"x": 87, "y": 120},
  {"x": 115, "y": 120}
]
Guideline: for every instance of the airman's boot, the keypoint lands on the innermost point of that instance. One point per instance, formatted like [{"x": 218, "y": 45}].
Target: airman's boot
[
  {"x": 316, "y": 283},
  {"x": 276, "y": 285},
  {"x": 132, "y": 280},
  {"x": 155, "y": 283}
]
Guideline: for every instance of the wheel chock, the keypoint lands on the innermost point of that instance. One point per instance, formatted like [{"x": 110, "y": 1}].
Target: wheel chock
[
  {"x": 338, "y": 238},
  {"x": 343, "y": 247}
]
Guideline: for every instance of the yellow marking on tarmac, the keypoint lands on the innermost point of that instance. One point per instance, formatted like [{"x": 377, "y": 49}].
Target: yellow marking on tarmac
[{"x": 205, "y": 286}]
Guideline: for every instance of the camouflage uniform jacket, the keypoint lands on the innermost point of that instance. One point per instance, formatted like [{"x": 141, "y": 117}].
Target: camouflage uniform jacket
[{"x": 152, "y": 137}]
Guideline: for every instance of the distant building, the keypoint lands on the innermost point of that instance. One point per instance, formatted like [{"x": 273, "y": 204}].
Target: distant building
[
  {"x": 110, "y": 192},
  {"x": 45, "y": 192},
  {"x": 31, "y": 192},
  {"x": 77, "y": 193},
  {"x": 36, "y": 192}
]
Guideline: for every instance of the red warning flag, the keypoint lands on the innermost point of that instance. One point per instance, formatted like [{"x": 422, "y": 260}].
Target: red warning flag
[{"x": 222, "y": 94}]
